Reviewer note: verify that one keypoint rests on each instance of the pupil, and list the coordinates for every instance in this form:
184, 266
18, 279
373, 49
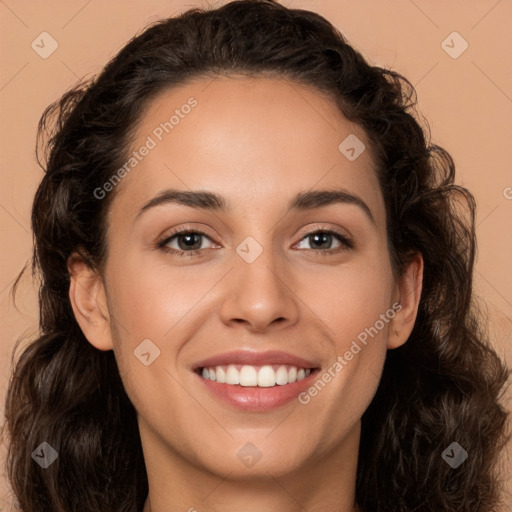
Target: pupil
190, 239
316, 236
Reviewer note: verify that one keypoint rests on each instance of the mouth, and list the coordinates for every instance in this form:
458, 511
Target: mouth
250, 381
261, 376
255, 389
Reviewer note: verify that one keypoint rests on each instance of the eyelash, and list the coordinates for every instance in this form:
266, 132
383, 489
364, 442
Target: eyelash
346, 243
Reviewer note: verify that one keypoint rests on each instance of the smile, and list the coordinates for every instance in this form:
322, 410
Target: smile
260, 376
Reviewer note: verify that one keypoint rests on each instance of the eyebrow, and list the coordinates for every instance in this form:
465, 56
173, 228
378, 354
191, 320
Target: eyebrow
210, 201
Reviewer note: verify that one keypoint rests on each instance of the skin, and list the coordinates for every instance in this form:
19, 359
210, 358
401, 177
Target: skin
258, 142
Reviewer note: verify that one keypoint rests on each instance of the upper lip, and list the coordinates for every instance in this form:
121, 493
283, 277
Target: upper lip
255, 359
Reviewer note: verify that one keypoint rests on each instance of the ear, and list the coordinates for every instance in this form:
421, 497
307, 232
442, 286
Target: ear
89, 302
407, 301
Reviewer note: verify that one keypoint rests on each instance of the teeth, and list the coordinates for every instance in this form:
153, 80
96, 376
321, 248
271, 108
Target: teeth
266, 377
262, 376
232, 375
282, 375
220, 374
248, 376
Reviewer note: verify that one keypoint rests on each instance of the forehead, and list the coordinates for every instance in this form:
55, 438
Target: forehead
257, 141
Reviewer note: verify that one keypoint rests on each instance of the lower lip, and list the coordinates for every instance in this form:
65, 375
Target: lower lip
254, 398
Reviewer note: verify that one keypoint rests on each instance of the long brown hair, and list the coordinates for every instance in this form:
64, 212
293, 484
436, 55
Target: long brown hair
442, 386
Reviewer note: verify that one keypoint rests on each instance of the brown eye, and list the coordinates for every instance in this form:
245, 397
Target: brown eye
322, 240
188, 243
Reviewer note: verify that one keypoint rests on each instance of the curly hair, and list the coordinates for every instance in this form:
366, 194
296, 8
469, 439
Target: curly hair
443, 385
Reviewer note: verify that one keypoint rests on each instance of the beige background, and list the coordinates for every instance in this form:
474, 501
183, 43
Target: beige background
466, 100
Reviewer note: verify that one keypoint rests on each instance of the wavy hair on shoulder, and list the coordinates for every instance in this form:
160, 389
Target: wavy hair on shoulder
443, 385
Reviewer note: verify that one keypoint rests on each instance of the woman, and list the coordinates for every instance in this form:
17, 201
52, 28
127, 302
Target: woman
198, 350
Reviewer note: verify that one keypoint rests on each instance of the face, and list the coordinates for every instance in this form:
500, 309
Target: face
282, 262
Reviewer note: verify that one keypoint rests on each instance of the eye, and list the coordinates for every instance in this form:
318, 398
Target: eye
321, 240
189, 243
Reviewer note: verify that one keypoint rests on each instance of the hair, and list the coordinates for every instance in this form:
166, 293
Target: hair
443, 385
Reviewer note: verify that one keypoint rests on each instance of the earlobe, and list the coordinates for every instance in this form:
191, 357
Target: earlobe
409, 290
88, 300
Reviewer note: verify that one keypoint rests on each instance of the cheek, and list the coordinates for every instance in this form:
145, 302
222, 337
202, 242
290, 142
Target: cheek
155, 310
148, 300
359, 317
145, 309
356, 306
350, 300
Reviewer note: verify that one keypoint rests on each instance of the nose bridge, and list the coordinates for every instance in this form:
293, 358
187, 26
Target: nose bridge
260, 293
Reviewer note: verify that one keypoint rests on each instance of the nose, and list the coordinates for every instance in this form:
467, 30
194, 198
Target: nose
259, 295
